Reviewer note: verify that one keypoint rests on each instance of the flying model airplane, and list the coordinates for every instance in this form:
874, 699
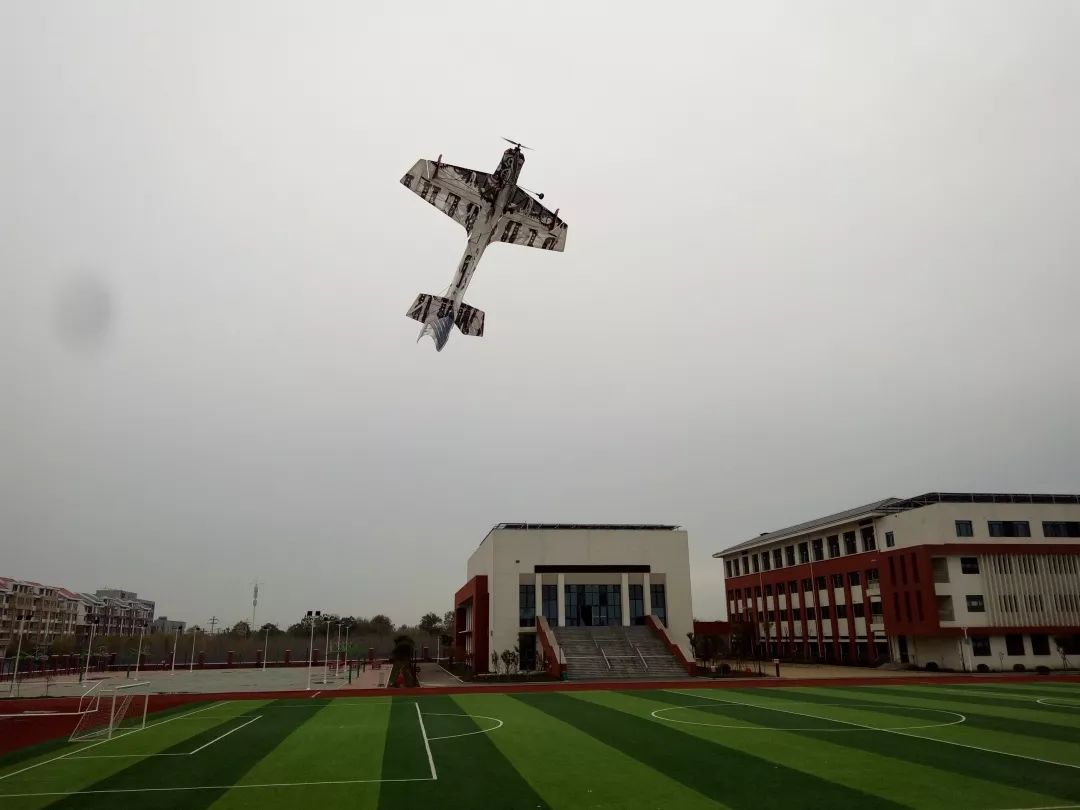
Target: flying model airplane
489, 207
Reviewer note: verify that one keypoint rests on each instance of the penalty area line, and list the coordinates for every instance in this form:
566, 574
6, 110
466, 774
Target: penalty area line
212, 787
888, 731
427, 744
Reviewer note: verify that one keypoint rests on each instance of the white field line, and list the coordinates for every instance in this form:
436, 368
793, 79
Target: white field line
448, 672
427, 745
102, 742
657, 712
1043, 701
892, 731
316, 694
467, 733
226, 734
211, 787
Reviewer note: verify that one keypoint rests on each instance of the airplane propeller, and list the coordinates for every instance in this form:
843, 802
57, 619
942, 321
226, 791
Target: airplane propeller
518, 145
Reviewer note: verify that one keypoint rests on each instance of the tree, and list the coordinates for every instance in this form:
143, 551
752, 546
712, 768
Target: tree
403, 648
430, 623
272, 628
194, 629
448, 622
241, 629
381, 625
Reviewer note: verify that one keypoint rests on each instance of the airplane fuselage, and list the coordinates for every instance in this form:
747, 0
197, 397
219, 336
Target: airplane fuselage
496, 202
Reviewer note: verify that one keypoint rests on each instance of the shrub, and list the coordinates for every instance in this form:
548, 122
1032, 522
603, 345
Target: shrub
1019, 668
725, 669
931, 666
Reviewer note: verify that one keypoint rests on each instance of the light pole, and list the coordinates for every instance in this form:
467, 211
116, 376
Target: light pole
191, 662
176, 641
337, 649
348, 627
326, 654
138, 655
93, 622
312, 615
266, 644
18, 652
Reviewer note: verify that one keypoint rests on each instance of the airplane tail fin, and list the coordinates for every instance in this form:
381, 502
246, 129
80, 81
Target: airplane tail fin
438, 317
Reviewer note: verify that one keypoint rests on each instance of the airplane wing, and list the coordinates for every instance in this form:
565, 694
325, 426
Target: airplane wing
529, 223
457, 192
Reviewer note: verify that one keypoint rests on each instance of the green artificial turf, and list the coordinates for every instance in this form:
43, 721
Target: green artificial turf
990, 746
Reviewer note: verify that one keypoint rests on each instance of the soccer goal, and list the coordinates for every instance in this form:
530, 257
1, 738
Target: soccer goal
104, 713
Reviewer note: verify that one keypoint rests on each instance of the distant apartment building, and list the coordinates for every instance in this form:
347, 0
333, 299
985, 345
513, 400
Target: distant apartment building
953, 580
43, 613
163, 624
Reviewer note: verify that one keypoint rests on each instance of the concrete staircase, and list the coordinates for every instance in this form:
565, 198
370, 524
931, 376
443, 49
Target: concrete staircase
597, 653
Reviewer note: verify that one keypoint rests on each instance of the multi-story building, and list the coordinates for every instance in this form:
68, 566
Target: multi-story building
41, 612
46, 612
574, 576
952, 580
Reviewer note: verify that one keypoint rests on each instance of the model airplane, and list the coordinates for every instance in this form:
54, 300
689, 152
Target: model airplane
490, 207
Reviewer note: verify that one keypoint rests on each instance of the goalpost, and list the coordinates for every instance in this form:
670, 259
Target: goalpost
107, 712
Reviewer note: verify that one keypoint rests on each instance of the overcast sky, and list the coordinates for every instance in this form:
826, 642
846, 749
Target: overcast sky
818, 254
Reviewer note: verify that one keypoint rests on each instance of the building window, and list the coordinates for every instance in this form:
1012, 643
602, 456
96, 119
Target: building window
1061, 528
757, 590
820, 581
868, 542
789, 555
768, 590
756, 569
808, 584
804, 552
980, 645
849, 543
637, 604
964, 528
838, 580
659, 602
550, 595
875, 608
853, 578
1014, 644
1035, 602
779, 587
975, 603
796, 614
765, 564
890, 541
841, 611
778, 558
526, 605
727, 568
824, 611
834, 545
1009, 528
809, 613
969, 565
858, 610
745, 566
1040, 644
819, 553
793, 586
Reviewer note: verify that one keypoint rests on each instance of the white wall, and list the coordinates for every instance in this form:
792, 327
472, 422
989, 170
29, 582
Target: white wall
505, 555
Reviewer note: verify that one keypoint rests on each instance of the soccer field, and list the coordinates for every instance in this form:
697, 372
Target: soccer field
990, 745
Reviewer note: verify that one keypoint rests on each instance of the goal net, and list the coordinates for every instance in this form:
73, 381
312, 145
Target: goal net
106, 712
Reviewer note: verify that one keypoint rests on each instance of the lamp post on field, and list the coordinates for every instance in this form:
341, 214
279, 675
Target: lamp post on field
176, 641
93, 622
266, 643
312, 615
138, 655
326, 654
191, 663
18, 652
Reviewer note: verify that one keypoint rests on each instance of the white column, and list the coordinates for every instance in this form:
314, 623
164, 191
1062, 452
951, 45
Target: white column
646, 593
561, 596
624, 595
539, 594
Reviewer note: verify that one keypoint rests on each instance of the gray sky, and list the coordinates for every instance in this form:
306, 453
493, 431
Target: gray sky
819, 254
